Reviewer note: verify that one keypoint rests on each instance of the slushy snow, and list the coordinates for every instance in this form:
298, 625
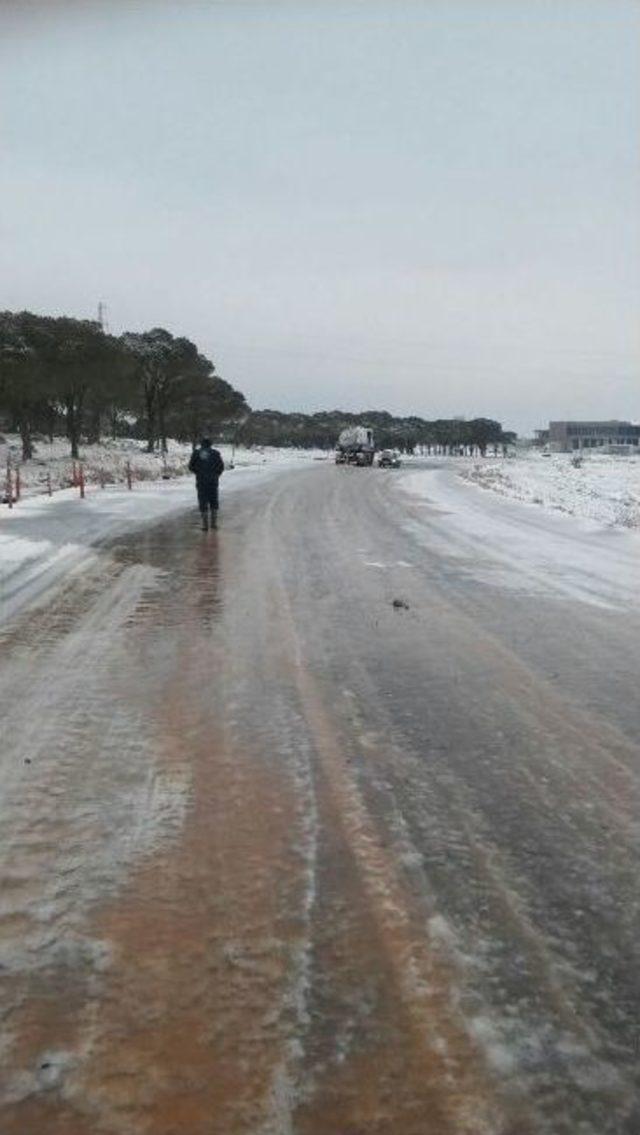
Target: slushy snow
44, 538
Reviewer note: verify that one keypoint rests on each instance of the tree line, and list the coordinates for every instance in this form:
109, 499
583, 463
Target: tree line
65, 376
320, 431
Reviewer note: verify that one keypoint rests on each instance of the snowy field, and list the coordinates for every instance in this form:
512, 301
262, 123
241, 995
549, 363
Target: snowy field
107, 462
602, 488
44, 538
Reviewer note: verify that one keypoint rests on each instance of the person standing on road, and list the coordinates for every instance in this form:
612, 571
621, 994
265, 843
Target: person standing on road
208, 466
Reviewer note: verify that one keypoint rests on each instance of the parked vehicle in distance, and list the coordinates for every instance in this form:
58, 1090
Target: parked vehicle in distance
355, 446
389, 459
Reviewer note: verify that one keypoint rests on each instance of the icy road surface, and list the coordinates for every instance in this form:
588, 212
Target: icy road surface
283, 858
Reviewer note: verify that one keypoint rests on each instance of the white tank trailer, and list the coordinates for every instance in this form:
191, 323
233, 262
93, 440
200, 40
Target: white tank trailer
355, 446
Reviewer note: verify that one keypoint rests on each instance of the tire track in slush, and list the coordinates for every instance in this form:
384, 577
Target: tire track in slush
433, 1080
203, 942
193, 1025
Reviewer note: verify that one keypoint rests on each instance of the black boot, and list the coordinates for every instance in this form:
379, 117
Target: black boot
214, 518
205, 522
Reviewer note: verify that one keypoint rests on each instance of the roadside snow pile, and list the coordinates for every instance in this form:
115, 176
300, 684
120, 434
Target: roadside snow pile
106, 463
602, 488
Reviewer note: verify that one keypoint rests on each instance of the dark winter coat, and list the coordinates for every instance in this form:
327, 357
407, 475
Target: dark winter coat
207, 464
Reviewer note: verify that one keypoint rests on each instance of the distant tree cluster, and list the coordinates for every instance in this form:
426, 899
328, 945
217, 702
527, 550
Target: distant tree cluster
320, 431
64, 376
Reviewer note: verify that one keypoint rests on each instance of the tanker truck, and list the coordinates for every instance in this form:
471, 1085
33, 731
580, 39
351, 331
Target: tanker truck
355, 446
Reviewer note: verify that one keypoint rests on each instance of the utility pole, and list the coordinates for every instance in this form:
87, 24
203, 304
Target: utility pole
102, 316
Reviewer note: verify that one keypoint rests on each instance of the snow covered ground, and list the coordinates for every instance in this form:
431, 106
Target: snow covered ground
44, 538
602, 488
107, 462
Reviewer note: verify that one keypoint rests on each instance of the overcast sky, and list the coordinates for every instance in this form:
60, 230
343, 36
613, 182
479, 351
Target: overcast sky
428, 206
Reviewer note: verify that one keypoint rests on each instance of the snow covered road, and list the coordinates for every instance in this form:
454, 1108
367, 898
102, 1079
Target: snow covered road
326, 823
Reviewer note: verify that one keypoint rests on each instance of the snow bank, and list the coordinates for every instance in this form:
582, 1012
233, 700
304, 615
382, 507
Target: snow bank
602, 488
